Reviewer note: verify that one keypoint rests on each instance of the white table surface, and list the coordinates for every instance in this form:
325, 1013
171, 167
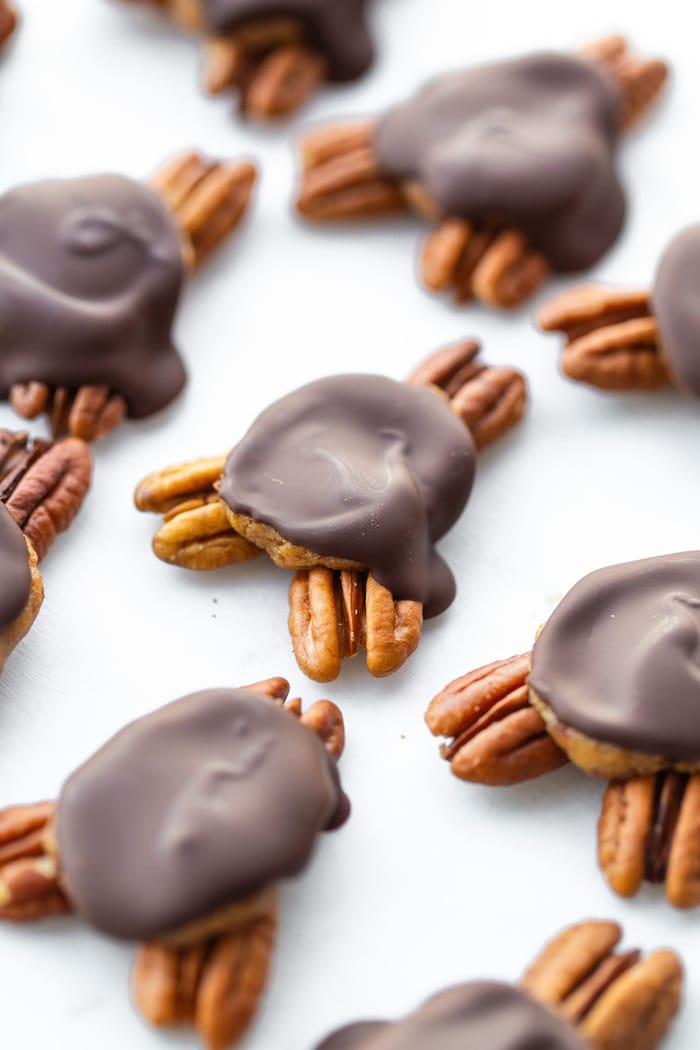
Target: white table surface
432, 881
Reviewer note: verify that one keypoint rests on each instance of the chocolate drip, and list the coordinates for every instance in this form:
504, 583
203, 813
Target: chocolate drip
481, 1015
90, 274
15, 576
619, 659
676, 304
528, 143
337, 28
191, 809
362, 468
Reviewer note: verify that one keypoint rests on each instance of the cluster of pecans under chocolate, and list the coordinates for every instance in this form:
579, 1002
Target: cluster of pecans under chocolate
177, 833
610, 685
314, 475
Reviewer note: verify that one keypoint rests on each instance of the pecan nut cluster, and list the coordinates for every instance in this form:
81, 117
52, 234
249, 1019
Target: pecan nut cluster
336, 607
141, 251
343, 178
649, 827
210, 972
275, 60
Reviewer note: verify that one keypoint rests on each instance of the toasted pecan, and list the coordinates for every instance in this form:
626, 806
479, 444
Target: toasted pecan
489, 400
333, 613
208, 198
215, 984
612, 339
43, 484
649, 830
497, 737
29, 883
618, 1001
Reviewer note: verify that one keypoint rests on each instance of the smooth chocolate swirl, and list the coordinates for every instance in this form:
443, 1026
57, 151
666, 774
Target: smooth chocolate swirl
676, 304
336, 28
90, 274
193, 808
528, 143
362, 468
15, 575
619, 658
481, 1015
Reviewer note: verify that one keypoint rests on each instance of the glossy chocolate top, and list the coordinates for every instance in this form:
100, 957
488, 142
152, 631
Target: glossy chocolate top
528, 143
676, 304
336, 28
481, 1015
362, 468
15, 575
619, 658
90, 274
191, 809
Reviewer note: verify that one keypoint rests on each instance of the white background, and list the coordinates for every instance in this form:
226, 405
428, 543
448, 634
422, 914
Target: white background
432, 881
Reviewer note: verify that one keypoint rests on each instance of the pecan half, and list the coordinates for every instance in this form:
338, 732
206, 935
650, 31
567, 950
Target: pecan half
490, 401
43, 484
324, 717
216, 984
268, 61
640, 81
341, 178
497, 267
649, 829
497, 737
207, 197
612, 339
196, 532
617, 1001
29, 885
8, 21
332, 614
90, 412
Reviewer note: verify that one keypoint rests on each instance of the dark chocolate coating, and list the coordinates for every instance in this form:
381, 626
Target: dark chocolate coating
481, 1015
362, 468
528, 143
191, 809
676, 304
619, 658
90, 275
15, 575
336, 28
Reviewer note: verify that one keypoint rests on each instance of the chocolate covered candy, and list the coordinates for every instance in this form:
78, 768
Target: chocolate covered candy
178, 831
91, 272
618, 661
350, 481
362, 469
579, 992
475, 1016
612, 683
529, 143
276, 54
197, 806
515, 161
336, 28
